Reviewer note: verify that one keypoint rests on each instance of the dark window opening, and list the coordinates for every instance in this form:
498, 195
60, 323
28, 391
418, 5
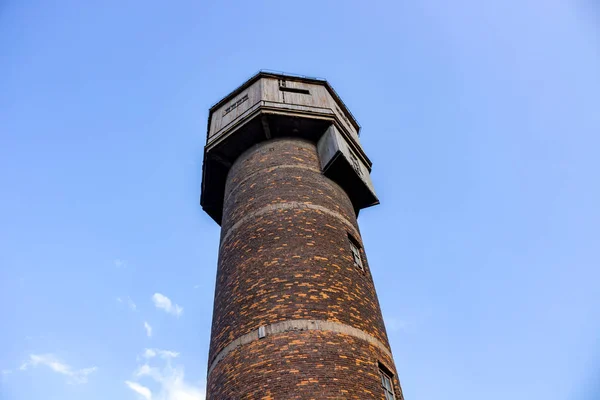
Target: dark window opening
356, 255
387, 382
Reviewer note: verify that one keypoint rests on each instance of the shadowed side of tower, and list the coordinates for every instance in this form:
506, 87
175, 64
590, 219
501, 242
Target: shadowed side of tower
296, 314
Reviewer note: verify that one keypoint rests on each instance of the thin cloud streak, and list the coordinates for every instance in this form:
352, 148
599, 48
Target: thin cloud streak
166, 354
148, 329
143, 391
132, 306
74, 376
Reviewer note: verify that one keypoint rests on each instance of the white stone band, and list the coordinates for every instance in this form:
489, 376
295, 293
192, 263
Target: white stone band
289, 205
298, 325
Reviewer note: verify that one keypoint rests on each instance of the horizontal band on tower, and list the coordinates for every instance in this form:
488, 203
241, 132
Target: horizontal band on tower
289, 205
298, 325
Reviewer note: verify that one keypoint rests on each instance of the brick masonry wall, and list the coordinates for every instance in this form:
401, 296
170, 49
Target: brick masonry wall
285, 255
301, 365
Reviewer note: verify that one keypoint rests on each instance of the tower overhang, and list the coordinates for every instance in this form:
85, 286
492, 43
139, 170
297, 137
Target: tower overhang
272, 105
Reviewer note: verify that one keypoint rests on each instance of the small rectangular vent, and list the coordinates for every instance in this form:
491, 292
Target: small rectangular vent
294, 90
235, 105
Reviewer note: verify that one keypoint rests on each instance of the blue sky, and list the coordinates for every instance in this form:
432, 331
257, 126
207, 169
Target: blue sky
482, 120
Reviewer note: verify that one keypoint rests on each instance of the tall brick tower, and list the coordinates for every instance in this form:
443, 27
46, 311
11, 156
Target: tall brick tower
296, 315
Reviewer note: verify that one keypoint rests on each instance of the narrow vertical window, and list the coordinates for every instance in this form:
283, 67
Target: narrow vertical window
355, 250
388, 386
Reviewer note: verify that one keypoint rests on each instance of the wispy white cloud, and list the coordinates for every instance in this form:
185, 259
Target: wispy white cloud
132, 306
148, 329
149, 353
169, 381
163, 302
143, 391
50, 361
6, 371
120, 263
145, 370
166, 354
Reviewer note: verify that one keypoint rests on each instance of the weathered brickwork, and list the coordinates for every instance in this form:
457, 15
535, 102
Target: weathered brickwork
285, 255
301, 365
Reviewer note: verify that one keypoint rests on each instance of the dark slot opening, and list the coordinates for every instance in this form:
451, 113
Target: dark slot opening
354, 240
293, 90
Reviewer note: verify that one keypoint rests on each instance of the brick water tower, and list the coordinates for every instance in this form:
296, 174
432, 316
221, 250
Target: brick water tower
296, 314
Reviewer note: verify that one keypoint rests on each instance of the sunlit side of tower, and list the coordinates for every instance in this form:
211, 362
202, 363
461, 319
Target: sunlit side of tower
296, 314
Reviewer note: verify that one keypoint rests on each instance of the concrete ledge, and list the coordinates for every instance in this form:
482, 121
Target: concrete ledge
298, 325
290, 205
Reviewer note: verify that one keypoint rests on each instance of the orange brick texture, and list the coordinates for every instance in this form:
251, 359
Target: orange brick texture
285, 255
